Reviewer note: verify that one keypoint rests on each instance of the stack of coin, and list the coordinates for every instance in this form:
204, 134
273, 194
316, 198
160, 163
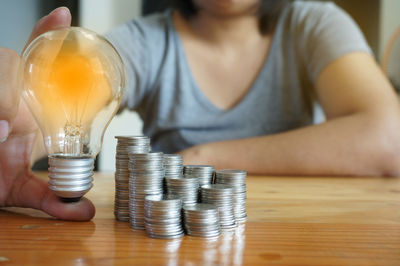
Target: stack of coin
186, 188
222, 197
203, 172
162, 215
125, 145
145, 178
201, 220
173, 165
236, 179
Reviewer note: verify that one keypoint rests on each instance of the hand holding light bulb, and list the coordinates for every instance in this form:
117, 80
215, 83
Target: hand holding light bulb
19, 133
73, 84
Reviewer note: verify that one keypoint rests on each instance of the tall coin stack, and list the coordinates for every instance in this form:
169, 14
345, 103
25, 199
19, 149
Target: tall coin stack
145, 178
203, 172
186, 188
125, 145
173, 165
162, 215
201, 220
236, 179
222, 197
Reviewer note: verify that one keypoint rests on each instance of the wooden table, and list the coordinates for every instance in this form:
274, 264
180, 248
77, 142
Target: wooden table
291, 221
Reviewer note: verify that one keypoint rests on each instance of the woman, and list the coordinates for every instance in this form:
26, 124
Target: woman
223, 87
233, 87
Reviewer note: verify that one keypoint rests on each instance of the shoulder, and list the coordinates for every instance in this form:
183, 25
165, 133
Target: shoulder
305, 11
142, 39
151, 28
322, 32
306, 21
310, 18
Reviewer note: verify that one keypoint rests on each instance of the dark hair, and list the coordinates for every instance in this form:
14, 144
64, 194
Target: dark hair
268, 12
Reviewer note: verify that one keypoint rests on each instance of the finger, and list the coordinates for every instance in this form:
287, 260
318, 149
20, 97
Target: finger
82, 210
34, 193
60, 17
10, 83
11, 70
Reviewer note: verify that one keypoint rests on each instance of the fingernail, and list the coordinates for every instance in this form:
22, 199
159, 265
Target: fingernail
4, 130
59, 9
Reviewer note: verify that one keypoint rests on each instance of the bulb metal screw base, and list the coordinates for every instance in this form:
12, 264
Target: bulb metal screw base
70, 177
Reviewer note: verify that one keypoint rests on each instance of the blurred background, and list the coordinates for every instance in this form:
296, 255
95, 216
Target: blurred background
378, 19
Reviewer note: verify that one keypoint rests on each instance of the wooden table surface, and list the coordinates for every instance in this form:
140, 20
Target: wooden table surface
291, 221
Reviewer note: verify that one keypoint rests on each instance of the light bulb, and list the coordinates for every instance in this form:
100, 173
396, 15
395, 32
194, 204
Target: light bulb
73, 84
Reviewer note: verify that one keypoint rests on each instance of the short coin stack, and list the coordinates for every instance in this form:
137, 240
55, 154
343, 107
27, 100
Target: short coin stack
173, 165
203, 172
145, 178
236, 179
201, 220
162, 215
125, 145
186, 188
222, 197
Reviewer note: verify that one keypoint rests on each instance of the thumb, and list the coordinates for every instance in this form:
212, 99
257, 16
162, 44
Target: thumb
33, 192
60, 17
11, 69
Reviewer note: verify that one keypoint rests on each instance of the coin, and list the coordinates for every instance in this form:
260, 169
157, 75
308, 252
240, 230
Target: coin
203, 172
236, 179
145, 178
173, 165
125, 145
156, 193
222, 197
186, 188
163, 216
201, 220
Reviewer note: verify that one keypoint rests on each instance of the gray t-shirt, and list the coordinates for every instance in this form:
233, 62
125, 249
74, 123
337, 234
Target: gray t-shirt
177, 115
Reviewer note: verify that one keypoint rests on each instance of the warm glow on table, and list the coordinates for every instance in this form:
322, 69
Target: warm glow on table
297, 221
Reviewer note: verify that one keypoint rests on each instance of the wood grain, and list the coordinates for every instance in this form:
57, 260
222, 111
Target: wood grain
291, 221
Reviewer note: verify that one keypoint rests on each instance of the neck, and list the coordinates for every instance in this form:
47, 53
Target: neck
225, 30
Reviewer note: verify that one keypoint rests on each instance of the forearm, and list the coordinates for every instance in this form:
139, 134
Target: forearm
358, 144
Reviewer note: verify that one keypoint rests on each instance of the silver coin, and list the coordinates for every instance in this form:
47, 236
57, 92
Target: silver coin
166, 237
221, 196
236, 179
201, 220
125, 146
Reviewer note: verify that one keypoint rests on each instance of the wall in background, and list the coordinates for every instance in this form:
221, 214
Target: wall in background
103, 15
390, 20
17, 18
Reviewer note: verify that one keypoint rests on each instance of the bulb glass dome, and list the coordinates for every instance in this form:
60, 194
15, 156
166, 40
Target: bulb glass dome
73, 84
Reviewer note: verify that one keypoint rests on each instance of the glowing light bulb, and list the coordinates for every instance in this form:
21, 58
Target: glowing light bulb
73, 84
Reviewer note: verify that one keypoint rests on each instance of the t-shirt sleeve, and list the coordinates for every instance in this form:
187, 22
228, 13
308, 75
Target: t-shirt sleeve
324, 33
129, 40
